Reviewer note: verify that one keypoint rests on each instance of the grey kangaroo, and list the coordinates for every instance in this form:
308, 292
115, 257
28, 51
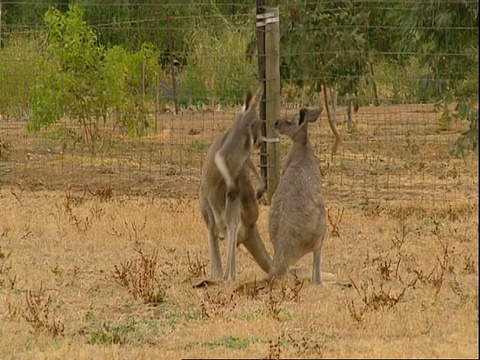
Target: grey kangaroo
228, 200
298, 216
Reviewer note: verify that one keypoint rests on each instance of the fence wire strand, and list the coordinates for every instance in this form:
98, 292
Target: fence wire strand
87, 97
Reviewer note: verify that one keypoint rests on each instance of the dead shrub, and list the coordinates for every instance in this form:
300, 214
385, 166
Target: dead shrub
273, 304
216, 304
335, 221
39, 314
376, 297
7, 279
300, 347
469, 266
139, 277
103, 195
196, 267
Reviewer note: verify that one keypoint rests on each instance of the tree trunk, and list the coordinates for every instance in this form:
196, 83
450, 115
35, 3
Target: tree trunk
1, 24
330, 119
349, 111
376, 102
333, 101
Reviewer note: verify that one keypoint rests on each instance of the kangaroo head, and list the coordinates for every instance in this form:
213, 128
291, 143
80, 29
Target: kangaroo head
295, 127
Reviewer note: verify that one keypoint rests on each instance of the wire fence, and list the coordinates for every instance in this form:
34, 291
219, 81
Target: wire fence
129, 94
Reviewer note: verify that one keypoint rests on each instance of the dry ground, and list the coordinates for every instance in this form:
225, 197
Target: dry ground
98, 255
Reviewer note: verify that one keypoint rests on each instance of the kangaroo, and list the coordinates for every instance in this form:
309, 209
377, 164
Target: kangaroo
228, 200
298, 215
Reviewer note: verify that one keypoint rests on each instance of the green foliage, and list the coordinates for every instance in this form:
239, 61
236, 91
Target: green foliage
100, 57
81, 81
232, 342
67, 82
132, 80
324, 41
467, 108
217, 68
18, 60
28, 13
445, 35
199, 146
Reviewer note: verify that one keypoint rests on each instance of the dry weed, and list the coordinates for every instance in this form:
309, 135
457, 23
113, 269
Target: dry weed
70, 202
443, 266
6, 278
103, 195
139, 277
17, 194
274, 349
39, 314
388, 268
299, 346
403, 229
276, 297
170, 265
5, 147
335, 222
219, 303
374, 297
196, 267
469, 266
273, 304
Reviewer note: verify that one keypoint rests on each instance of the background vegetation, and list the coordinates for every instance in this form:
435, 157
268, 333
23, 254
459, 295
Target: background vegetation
87, 59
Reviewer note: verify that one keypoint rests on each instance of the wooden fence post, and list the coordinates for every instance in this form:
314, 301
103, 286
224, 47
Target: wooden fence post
272, 90
261, 77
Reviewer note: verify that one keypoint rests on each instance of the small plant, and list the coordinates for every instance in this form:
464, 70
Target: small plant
253, 291
375, 298
292, 292
388, 268
274, 349
469, 266
83, 223
199, 146
17, 194
301, 347
70, 201
170, 266
39, 314
335, 222
134, 231
3, 254
231, 342
273, 303
457, 290
403, 230
5, 269
305, 346
4, 148
372, 210
196, 267
139, 277
443, 266
437, 276
103, 195
357, 313
217, 304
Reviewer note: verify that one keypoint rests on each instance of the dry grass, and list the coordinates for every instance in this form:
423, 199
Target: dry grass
104, 268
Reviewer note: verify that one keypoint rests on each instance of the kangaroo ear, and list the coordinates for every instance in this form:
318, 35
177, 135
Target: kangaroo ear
248, 99
309, 115
251, 100
302, 116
